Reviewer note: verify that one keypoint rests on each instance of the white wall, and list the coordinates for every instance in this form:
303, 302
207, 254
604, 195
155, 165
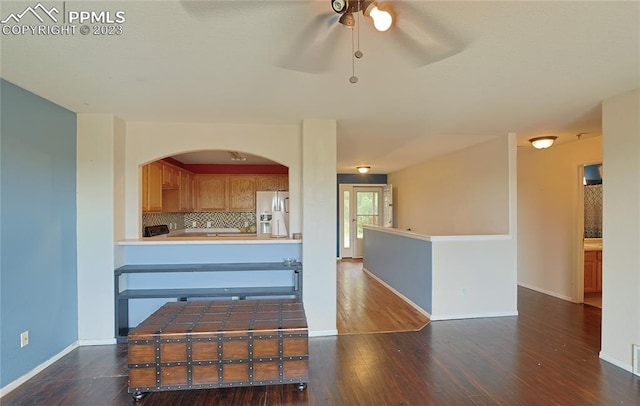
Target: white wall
474, 276
549, 227
319, 226
149, 141
621, 228
95, 227
465, 192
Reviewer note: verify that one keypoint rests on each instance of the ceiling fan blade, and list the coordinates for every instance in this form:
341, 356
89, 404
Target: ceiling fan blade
424, 39
314, 47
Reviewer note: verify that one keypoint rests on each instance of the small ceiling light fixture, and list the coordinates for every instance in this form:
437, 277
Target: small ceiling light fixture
543, 142
236, 156
363, 169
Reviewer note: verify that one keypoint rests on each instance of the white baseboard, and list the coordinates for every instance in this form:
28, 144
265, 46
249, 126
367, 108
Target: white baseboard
400, 295
323, 333
102, 341
547, 292
616, 362
35, 371
473, 315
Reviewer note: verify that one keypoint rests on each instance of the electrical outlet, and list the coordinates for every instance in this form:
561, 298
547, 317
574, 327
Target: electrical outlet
194, 224
208, 224
24, 338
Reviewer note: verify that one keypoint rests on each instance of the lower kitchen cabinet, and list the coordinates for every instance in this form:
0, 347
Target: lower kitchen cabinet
592, 271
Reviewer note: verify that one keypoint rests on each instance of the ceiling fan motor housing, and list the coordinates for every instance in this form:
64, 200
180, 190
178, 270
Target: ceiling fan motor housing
340, 6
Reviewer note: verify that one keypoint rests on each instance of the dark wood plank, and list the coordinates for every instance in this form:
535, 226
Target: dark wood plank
366, 306
547, 355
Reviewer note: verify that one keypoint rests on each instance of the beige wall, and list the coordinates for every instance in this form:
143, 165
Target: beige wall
95, 227
462, 193
319, 225
621, 228
110, 152
549, 225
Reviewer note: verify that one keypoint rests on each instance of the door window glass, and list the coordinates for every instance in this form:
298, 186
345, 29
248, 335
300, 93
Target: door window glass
367, 211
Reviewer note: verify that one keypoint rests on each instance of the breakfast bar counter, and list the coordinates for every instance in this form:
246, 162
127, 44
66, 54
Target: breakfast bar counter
207, 240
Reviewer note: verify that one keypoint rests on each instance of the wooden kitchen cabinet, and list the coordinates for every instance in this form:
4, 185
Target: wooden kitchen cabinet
272, 182
212, 192
152, 187
170, 176
242, 193
592, 271
186, 191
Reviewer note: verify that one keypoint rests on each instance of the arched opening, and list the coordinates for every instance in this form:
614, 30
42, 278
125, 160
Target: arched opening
204, 192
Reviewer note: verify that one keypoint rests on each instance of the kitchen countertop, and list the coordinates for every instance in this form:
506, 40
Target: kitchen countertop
195, 236
593, 244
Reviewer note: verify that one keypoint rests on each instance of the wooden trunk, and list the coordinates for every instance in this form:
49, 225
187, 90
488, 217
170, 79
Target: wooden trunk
213, 344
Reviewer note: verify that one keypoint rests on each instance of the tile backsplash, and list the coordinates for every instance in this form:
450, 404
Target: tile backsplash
185, 220
219, 219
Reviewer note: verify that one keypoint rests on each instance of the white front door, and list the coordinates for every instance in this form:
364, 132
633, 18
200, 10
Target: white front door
367, 203
359, 205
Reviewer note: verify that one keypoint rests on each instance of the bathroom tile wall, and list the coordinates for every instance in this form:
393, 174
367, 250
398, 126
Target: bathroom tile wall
593, 211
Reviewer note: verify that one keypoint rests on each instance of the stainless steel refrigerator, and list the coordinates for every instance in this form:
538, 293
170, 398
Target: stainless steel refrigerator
272, 214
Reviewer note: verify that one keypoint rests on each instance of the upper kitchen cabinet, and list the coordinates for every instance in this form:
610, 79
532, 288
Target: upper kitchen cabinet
242, 193
170, 176
187, 192
152, 187
212, 192
272, 182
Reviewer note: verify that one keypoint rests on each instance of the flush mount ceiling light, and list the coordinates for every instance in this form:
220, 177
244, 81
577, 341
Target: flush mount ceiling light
363, 169
236, 156
543, 142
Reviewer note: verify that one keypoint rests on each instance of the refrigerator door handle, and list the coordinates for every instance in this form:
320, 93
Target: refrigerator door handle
286, 205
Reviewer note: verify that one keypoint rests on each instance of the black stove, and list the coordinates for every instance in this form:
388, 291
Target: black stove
152, 231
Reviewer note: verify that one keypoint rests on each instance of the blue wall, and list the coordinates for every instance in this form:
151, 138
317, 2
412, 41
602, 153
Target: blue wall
404, 263
354, 178
38, 230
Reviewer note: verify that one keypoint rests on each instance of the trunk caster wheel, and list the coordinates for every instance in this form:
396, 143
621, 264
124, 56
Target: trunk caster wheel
301, 386
137, 396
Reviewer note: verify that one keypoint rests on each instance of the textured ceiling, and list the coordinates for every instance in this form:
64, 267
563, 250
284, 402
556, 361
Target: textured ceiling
447, 75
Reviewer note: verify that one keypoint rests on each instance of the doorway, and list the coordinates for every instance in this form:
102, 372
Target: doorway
591, 232
359, 206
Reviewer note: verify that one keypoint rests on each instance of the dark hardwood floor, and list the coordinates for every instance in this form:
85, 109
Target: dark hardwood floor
365, 305
546, 356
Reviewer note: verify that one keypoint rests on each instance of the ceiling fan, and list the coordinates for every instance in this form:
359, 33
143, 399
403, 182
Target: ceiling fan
420, 39
382, 19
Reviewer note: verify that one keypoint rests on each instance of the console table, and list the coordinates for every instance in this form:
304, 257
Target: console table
183, 294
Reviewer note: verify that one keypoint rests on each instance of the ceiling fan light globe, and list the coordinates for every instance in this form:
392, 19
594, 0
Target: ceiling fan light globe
382, 20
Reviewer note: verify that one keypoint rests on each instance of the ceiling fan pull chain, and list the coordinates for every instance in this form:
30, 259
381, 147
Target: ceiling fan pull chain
353, 78
358, 54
